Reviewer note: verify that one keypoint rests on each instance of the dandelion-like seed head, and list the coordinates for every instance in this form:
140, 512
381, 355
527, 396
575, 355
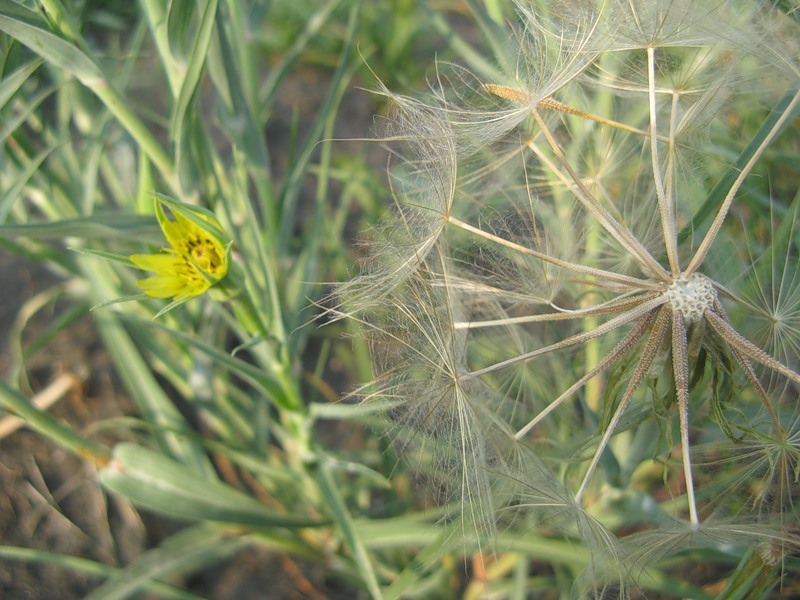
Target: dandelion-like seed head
577, 280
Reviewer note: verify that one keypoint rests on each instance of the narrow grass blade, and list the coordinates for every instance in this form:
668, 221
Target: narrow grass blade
15, 373
404, 531
43, 400
12, 83
720, 190
418, 566
197, 59
26, 26
179, 29
489, 17
290, 191
460, 47
313, 25
180, 130
155, 482
334, 501
121, 300
53, 429
99, 226
13, 122
10, 195
238, 121
110, 256
91, 568
184, 552
43, 301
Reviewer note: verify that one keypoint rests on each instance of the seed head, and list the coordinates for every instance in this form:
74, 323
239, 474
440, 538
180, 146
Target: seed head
692, 296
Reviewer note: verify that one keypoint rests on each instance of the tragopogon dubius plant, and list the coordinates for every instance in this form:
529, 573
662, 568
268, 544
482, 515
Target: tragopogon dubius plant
554, 285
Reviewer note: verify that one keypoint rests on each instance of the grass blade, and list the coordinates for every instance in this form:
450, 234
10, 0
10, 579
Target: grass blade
76, 564
185, 551
718, 192
98, 226
26, 26
10, 195
180, 132
334, 501
155, 482
54, 429
12, 83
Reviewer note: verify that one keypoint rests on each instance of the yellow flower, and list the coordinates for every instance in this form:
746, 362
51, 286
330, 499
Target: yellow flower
196, 260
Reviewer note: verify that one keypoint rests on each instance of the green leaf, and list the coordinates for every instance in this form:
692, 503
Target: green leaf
163, 485
98, 226
197, 59
333, 499
30, 30
12, 83
185, 551
475, 59
491, 22
174, 434
15, 121
419, 565
26, 27
720, 190
10, 196
179, 27
238, 121
120, 300
313, 24
54, 429
290, 190
752, 579
259, 377
180, 129
88, 567
110, 256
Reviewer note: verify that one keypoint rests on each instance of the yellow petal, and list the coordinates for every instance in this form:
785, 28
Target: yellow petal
175, 276
157, 262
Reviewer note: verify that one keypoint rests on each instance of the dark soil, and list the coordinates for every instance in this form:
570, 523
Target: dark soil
50, 500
